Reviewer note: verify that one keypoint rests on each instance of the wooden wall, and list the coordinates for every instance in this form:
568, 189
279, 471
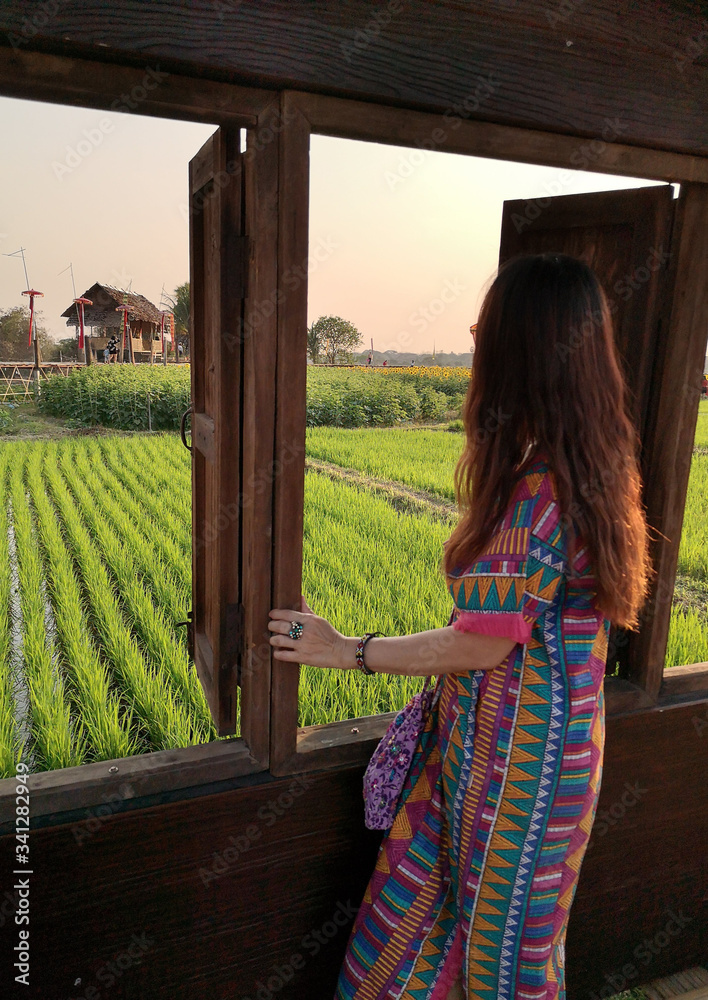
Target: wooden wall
154, 891
569, 66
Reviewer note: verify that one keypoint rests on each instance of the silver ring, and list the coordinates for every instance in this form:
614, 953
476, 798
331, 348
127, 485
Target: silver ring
295, 630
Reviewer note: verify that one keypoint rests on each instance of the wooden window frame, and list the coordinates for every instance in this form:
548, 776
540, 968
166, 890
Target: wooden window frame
649, 685
272, 740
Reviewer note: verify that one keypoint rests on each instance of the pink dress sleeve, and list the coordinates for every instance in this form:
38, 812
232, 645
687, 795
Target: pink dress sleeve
514, 581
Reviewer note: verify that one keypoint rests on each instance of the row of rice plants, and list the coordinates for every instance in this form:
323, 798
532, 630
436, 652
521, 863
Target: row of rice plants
106, 722
164, 491
57, 739
164, 720
139, 573
10, 749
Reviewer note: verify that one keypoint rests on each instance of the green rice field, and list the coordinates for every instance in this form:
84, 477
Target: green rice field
95, 574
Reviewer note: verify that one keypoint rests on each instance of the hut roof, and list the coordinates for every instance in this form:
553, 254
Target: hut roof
105, 298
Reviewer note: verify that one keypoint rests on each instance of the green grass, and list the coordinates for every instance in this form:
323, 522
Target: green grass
424, 459
701, 438
366, 568
10, 749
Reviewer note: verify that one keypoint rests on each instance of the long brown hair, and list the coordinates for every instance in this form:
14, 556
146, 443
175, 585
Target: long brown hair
546, 378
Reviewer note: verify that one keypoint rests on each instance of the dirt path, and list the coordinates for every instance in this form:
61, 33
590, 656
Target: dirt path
403, 498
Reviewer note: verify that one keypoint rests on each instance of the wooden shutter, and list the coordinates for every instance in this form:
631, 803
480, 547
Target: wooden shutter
626, 237
218, 261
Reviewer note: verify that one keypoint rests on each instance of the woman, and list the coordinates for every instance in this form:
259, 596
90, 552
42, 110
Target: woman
473, 884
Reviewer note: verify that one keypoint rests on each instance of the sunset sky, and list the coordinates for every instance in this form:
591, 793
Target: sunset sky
395, 227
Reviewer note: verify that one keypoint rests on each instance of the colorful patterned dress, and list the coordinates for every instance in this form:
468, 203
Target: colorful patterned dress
480, 868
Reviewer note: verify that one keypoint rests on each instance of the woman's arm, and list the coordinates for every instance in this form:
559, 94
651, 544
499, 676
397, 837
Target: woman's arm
438, 651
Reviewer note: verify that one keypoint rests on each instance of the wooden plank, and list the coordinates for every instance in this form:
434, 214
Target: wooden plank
216, 254
203, 435
565, 68
669, 435
291, 389
692, 679
258, 336
91, 786
296, 852
445, 133
229, 181
646, 856
86, 82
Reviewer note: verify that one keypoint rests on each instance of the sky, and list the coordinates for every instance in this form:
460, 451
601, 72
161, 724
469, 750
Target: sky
404, 242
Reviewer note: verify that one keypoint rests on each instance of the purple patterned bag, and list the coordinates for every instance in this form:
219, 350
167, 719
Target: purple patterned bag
388, 768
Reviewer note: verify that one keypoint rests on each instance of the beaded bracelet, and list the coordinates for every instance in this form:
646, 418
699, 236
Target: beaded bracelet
360, 652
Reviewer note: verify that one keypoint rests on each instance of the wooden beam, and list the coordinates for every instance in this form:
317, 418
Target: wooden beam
258, 334
559, 67
684, 681
668, 442
91, 786
443, 133
291, 389
86, 82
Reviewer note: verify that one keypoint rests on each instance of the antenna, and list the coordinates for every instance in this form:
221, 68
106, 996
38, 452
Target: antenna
21, 252
69, 268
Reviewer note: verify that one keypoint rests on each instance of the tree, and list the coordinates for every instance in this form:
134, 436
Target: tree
181, 313
66, 349
14, 335
314, 344
337, 337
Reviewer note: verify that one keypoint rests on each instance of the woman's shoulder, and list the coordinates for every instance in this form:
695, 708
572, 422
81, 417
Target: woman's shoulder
536, 485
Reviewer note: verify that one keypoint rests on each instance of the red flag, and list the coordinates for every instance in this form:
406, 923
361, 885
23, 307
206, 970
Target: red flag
80, 303
32, 294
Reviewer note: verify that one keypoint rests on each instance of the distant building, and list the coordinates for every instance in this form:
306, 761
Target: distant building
102, 321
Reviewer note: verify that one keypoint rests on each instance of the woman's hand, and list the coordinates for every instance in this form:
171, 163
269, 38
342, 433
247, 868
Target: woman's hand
320, 644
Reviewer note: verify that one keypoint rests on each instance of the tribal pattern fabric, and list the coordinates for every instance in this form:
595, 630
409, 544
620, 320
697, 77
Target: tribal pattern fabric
479, 870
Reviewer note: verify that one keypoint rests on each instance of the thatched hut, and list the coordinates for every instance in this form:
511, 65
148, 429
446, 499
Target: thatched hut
104, 320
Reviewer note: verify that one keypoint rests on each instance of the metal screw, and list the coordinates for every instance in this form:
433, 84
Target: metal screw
355, 729
113, 770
